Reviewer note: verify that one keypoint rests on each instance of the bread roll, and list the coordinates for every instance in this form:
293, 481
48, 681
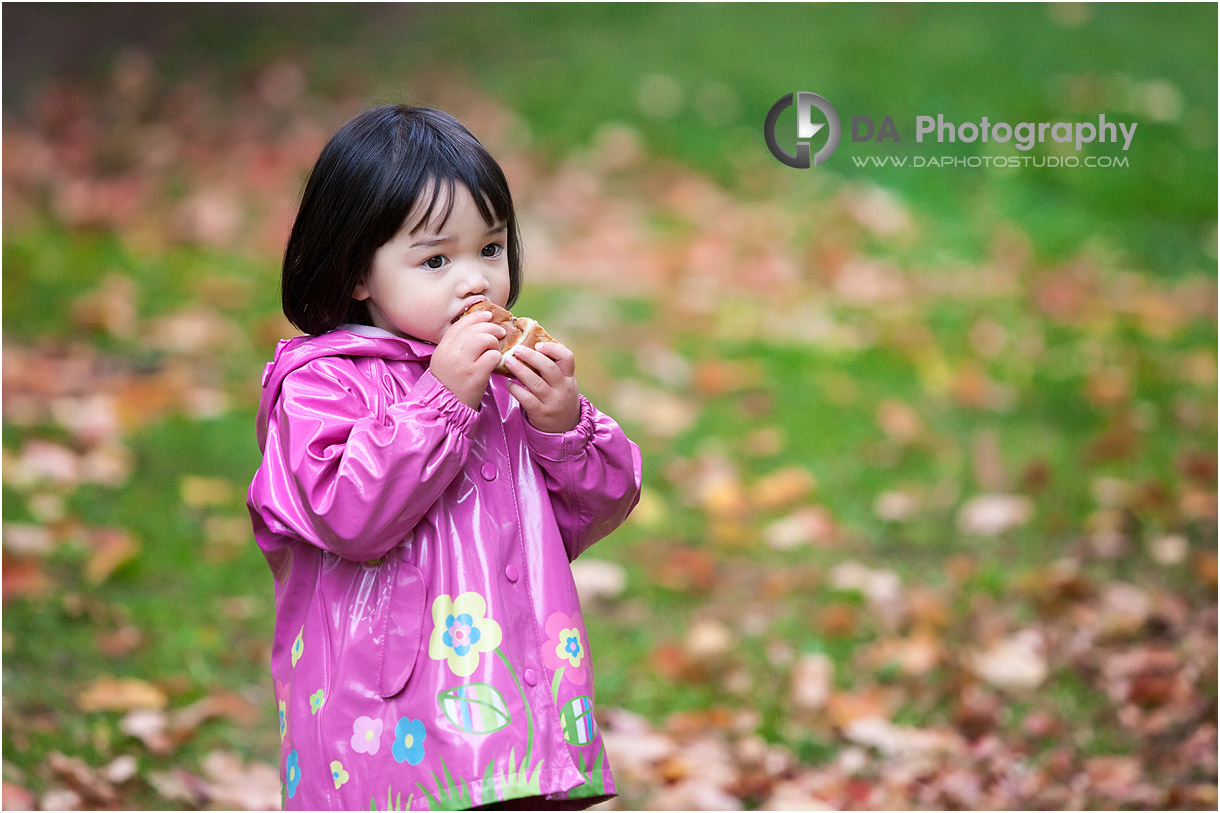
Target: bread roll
519, 331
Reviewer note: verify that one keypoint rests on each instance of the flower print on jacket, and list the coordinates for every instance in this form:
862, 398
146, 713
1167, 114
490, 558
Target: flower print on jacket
283, 719
298, 646
409, 741
366, 735
292, 774
460, 632
565, 646
338, 774
316, 700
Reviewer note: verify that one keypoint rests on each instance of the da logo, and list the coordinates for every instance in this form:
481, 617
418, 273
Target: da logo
806, 129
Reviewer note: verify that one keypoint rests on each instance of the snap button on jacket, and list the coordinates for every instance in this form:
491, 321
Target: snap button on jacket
429, 648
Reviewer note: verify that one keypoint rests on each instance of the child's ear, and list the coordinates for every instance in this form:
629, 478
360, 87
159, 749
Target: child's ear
361, 293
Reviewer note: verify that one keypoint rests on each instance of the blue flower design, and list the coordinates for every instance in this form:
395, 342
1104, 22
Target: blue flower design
572, 647
461, 633
292, 774
409, 741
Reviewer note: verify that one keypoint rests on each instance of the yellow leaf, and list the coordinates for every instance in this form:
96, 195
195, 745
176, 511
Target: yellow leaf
199, 492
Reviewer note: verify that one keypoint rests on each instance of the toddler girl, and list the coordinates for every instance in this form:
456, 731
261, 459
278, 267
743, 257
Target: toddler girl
418, 512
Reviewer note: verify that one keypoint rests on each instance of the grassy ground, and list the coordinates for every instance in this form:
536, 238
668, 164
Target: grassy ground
1070, 361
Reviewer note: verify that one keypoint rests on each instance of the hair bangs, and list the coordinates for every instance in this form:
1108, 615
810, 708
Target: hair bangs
434, 198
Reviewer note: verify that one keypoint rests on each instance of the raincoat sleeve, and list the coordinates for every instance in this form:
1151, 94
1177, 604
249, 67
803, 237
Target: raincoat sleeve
342, 478
593, 474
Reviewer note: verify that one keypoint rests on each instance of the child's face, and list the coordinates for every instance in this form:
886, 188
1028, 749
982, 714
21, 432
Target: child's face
420, 283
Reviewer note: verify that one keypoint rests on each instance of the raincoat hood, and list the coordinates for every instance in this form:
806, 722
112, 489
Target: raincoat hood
345, 340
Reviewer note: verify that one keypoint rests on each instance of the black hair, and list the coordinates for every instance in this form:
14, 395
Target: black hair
369, 176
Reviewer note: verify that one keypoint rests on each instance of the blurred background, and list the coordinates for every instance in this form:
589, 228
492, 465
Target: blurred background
929, 517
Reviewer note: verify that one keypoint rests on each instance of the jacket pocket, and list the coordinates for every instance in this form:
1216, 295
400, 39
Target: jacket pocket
403, 620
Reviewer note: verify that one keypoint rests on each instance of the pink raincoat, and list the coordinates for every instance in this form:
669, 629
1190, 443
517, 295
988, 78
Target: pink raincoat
429, 647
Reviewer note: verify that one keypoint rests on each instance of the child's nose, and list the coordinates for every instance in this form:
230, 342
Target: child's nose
472, 280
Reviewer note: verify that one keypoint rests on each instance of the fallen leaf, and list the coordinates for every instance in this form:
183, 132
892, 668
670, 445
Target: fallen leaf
895, 506
1016, 663
120, 770
82, 779
810, 682
882, 588
709, 640
764, 442
42, 462
1204, 566
61, 799
17, 798
993, 514
183, 722
916, 655
782, 488
204, 492
235, 785
848, 708
109, 549
658, 412
24, 578
807, 525
893, 740
111, 307
1124, 609
899, 421
121, 642
650, 512
177, 786
686, 568
598, 580
1112, 775
26, 540
714, 377
977, 712
120, 694
838, 619
1169, 550
1107, 387
150, 726
225, 537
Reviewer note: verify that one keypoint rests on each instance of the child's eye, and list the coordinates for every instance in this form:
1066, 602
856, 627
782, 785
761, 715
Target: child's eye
492, 250
435, 262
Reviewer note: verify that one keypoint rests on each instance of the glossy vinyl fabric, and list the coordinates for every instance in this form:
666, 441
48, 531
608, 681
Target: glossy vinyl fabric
429, 649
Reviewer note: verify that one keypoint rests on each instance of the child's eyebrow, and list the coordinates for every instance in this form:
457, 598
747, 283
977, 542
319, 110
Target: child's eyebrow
442, 239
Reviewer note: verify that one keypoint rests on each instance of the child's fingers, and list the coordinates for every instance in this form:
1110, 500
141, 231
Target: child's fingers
526, 398
545, 366
560, 354
472, 318
488, 360
527, 375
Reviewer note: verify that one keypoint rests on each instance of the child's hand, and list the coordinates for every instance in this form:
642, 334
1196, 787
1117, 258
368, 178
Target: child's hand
466, 355
547, 391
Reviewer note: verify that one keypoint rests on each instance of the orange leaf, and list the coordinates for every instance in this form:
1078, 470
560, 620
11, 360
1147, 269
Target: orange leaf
782, 488
845, 708
111, 548
120, 694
